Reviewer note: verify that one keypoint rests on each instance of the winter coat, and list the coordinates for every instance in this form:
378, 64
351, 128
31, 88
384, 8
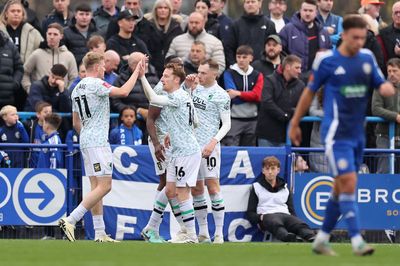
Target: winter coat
30, 40
252, 30
42, 60
279, 100
55, 17
41, 91
126, 46
11, 71
387, 108
102, 19
295, 39
14, 134
265, 66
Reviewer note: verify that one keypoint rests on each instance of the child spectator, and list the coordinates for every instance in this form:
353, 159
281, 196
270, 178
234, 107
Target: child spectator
244, 85
5, 161
13, 132
51, 158
127, 133
35, 129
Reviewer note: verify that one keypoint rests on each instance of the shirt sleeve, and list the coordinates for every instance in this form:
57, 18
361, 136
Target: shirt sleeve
319, 75
173, 100
103, 88
377, 78
224, 103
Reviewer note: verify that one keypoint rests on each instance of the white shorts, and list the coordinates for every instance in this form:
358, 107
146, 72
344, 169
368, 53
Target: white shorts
184, 170
210, 167
97, 161
159, 166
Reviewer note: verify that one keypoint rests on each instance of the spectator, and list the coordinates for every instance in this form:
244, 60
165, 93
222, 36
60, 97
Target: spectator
212, 24
271, 205
252, 28
50, 52
142, 24
277, 9
79, 31
163, 29
81, 75
51, 89
331, 22
300, 165
225, 22
13, 131
196, 56
126, 42
31, 17
372, 9
389, 109
176, 10
112, 60
97, 44
280, 95
272, 56
61, 14
182, 44
23, 35
136, 97
389, 37
127, 133
244, 86
11, 71
5, 161
304, 36
35, 130
103, 14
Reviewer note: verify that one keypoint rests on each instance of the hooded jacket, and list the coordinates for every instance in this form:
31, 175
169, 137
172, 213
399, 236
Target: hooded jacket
250, 84
11, 71
30, 40
295, 39
42, 60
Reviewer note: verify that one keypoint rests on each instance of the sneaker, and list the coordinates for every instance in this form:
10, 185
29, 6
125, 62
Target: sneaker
106, 238
186, 239
204, 239
218, 239
67, 228
323, 248
180, 235
48, 238
363, 250
151, 236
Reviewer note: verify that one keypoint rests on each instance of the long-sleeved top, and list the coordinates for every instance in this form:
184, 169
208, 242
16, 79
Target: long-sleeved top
51, 158
388, 108
126, 136
14, 134
335, 22
265, 199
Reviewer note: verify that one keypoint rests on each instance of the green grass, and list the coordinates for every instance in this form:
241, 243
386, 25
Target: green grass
132, 253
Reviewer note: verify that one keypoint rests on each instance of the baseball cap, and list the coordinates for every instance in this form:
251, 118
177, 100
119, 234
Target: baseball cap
127, 14
371, 2
275, 38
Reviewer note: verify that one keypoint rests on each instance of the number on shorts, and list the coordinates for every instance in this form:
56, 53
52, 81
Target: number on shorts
86, 105
211, 161
179, 171
191, 113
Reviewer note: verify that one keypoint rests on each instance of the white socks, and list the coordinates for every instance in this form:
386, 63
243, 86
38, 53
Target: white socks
77, 214
99, 226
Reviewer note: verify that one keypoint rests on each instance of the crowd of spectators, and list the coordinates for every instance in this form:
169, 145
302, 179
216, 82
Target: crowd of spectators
264, 59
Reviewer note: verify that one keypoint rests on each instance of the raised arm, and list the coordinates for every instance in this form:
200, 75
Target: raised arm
151, 95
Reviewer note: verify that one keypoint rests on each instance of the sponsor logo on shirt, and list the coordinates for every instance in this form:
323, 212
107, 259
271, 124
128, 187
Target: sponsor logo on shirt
199, 103
107, 85
354, 91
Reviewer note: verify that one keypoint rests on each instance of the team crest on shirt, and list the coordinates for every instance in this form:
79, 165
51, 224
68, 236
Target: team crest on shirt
367, 68
107, 85
4, 137
96, 167
342, 164
17, 135
210, 97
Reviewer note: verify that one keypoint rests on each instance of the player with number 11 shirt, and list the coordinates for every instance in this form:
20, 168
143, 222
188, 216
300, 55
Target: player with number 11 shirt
91, 118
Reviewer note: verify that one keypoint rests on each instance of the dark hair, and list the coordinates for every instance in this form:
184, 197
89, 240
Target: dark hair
177, 70
394, 62
127, 107
271, 161
244, 50
59, 70
94, 41
207, 2
310, 2
85, 7
53, 120
354, 22
290, 59
174, 59
39, 106
211, 63
57, 27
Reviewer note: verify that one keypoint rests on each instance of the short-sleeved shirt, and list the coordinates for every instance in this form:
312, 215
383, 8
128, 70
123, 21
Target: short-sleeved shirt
180, 124
346, 82
161, 123
210, 104
90, 99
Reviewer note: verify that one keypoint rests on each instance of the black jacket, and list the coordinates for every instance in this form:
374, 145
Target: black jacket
126, 46
251, 30
251, 213
212, 26
159, 42
41, 91
11, 71
136, 97
76, 42
279, 99
55, 17
141, 29
190, 68
264, 66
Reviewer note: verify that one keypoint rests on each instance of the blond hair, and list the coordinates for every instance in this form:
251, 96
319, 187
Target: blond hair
7, 109
91, 59
3, 18
153, 16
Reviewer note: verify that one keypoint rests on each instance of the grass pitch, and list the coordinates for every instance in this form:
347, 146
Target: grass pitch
89, 253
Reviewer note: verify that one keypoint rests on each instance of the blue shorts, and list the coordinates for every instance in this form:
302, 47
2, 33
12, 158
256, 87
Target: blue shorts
344, 156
